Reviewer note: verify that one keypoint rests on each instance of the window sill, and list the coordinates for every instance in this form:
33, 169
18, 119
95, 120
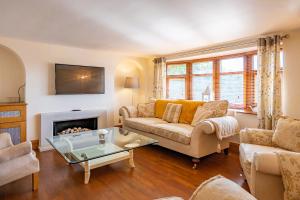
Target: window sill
244, 111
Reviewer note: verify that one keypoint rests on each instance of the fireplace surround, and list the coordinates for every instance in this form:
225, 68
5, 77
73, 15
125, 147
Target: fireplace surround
49, 119
74, 126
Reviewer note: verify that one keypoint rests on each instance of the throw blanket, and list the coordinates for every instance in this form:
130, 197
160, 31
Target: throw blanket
225, 126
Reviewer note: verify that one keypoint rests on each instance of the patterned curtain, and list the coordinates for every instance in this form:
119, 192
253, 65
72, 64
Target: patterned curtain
269, 81
159, 84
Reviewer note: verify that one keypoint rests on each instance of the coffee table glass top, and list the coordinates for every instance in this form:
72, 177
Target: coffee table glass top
84, 146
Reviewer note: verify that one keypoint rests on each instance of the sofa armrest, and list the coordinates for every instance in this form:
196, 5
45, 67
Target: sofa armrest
267, 163
226, 123
256, 136
128, 111
5, 140
15, 151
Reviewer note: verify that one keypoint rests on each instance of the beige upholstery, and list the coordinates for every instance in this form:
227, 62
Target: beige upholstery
195, 141
218, 188
16, 161
260, 164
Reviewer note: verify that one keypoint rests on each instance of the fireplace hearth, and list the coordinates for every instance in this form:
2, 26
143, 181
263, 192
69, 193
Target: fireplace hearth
74, 126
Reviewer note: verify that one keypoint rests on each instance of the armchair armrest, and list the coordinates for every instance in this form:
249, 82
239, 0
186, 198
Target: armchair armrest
15, 151
5, 140
128, 111
267, 163
256, 136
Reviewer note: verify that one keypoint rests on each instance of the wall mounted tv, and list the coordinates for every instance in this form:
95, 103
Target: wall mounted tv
76, 79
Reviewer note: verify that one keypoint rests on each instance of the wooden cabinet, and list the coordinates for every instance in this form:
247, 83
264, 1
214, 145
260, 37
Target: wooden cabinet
13, 121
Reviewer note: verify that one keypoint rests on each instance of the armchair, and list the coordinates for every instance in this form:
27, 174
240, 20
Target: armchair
17, 161
260, 164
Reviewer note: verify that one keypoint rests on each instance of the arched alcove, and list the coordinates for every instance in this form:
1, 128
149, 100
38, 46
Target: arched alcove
12, 76
128, 68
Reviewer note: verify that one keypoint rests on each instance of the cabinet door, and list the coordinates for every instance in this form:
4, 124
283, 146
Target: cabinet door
15, 113
17, 131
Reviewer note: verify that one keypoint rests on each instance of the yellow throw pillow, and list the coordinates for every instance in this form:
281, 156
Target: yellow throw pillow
160, 106
189, 108
172, 112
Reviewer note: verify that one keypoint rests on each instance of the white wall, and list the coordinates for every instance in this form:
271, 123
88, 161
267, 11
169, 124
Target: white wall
291, 76
39, 59
12, 75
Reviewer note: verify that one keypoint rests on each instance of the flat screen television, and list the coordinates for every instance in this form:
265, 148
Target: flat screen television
76, 79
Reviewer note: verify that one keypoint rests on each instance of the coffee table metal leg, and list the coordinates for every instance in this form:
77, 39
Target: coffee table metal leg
87, 172
131, 162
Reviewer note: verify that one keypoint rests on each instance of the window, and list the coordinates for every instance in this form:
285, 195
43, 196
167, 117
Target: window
232, 81
176, 81
202, 80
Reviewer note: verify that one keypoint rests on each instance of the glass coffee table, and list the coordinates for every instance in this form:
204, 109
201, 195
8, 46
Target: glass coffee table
92, 149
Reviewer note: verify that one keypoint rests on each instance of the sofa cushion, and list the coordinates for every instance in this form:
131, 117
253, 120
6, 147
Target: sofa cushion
287, 134
247, 152
189, 108
146, 109
143, 124
172, 112
174, 131
201, 114
218, 107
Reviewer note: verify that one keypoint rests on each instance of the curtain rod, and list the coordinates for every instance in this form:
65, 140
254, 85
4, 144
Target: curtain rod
218, 48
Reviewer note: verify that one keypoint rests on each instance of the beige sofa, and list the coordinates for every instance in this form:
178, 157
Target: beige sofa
260, 164
17, 161
195, 141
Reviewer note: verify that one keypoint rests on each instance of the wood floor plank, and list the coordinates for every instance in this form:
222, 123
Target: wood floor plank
159, 173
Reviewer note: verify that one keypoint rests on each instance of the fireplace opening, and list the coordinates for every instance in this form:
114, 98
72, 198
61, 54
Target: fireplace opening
74, 126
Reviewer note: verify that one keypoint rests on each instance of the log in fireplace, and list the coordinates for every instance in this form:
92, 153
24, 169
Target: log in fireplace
74, 126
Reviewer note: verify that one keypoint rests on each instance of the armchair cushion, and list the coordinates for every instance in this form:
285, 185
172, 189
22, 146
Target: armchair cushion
287, 134
290, 170
256, 136
267, 163
5, 140
15, 151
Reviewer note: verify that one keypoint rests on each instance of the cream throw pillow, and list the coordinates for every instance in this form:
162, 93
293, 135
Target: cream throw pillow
146, 109
289, 163
172, 112
218, 107
201, 114
287, 134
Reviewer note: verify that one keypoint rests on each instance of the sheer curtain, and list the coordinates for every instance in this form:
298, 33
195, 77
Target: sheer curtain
159, 84
269, 81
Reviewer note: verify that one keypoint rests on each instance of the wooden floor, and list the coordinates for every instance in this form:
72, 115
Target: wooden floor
159, 173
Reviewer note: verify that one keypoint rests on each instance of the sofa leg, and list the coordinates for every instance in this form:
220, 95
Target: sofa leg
226, 151
196, 162
35, 181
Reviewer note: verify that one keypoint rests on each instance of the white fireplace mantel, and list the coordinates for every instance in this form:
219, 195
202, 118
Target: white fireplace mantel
47, 120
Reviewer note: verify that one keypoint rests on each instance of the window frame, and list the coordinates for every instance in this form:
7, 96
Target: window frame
248, 73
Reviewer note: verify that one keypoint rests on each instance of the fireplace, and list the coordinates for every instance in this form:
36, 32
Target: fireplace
74, 126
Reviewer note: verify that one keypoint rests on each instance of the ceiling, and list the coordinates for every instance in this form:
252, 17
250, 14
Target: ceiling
147, 27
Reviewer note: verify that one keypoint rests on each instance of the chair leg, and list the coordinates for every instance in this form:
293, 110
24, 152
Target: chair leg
226, 151
35, 181
196, 162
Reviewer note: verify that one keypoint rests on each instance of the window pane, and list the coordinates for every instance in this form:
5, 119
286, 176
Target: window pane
179, 69
255, 62
177, 88
232, 65
200, 84
232, 88
203, 68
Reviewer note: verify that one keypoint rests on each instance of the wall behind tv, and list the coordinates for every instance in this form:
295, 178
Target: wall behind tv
39, 59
